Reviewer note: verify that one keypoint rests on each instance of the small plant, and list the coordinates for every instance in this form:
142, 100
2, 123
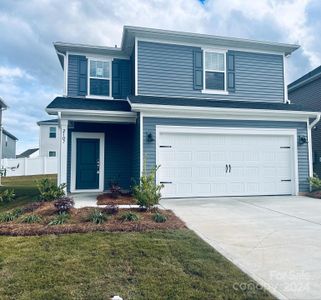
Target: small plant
111, 209
31, 207
129, 216
97, 217
7, 196
11, 215
49, 191
159, 218
31, 219
60, 219
315, 182
115, 189
64, 204
147, 193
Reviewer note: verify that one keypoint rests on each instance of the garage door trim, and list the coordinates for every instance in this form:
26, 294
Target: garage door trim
235, 131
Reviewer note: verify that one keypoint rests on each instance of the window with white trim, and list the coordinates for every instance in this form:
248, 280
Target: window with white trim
215, 69
100, 78
52, 154
52, 132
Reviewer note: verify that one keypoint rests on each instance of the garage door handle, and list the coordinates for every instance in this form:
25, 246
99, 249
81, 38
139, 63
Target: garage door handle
230, 168
165, 182
226, 168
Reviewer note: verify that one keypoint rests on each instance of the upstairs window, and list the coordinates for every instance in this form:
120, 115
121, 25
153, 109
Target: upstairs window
52, 132
99, 78
214, 68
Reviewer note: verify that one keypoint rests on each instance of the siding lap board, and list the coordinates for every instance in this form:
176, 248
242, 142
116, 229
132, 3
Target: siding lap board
167, 70
149, 148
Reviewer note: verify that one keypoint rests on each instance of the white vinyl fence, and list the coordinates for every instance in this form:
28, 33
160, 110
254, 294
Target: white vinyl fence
29, 166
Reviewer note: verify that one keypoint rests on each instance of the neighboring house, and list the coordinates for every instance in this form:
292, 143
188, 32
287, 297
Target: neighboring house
8, 144
211, 111
307, 91
3, 106
29, 153
48, 140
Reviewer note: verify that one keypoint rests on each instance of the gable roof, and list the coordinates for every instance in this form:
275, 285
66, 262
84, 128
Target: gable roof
27, 153
48, 122
3, 104
130, 33
5, 132
305, 79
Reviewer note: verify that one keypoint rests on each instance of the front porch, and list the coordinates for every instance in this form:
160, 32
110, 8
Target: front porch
99, 144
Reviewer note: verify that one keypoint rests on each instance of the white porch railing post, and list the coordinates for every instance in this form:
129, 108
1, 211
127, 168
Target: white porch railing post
25, 170
62, 165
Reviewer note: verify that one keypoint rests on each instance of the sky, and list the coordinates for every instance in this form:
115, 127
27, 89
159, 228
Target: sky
31, 76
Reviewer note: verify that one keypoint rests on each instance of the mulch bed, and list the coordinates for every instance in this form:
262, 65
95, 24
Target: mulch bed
107, 199
78, 223
314, 194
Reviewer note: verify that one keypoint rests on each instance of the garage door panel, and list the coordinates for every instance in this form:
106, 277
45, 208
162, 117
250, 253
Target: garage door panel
225, 165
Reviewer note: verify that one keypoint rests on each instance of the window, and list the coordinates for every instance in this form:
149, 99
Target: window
214, 69
100, 78
52, 132
52, 153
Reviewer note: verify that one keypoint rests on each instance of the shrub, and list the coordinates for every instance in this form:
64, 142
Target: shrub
64, 204
115, 189
129, 216
97, 217
60, 219
31, 219
147, 193
49, 191
315, 182
11, 215
159, 218
7, 196
111, 209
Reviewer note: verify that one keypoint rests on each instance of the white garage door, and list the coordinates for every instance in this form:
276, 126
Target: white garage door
200, 164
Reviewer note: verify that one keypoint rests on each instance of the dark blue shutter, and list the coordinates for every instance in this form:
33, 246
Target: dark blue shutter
82, 76
116, 79
198, 69
230, 62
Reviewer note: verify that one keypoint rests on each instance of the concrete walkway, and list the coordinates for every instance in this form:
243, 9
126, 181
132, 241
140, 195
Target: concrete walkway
276, 240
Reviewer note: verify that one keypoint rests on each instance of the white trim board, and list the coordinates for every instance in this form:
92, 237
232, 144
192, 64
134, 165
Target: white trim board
237, 131
87, 135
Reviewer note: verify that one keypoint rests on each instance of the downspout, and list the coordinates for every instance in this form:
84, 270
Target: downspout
59, 156
310, 127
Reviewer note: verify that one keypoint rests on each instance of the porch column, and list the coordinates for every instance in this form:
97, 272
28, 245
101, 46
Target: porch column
63, 143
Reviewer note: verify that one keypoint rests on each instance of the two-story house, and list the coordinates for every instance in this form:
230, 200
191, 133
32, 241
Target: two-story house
211, 111
48, 138
306, 91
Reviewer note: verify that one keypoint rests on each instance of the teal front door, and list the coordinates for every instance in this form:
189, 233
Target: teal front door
87, 164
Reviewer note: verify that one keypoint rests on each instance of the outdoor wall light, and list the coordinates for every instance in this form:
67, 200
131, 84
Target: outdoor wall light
303, 140
150, 137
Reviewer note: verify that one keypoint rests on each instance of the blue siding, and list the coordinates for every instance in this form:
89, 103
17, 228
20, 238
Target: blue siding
119, 140
309, 95
149, 126
167, 70
73, 73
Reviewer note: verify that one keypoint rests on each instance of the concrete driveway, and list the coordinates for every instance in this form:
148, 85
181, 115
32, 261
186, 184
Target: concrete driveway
276, 240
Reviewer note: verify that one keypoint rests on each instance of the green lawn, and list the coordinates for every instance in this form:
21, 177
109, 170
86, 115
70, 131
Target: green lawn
157, 265
173, 264
25, 188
